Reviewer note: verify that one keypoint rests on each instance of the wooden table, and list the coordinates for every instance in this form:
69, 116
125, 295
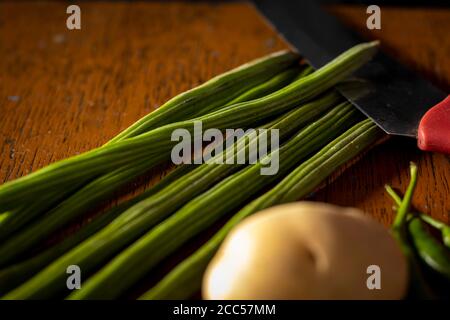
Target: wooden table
63, 92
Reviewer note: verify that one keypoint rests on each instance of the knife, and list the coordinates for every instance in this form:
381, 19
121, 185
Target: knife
395, 98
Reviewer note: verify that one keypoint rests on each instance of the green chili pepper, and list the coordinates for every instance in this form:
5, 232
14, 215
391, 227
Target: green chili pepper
436, 256
431, 251
442, 227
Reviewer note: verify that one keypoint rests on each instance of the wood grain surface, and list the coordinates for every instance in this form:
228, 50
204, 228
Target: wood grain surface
64, 92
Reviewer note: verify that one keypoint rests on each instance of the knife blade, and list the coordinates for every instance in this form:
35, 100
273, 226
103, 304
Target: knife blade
395, 98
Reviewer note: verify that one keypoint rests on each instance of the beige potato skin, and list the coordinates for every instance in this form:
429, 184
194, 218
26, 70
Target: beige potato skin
306, 250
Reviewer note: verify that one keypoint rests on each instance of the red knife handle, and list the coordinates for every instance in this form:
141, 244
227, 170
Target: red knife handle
434, 128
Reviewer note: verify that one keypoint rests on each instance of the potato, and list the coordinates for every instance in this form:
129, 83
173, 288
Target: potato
306, 250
